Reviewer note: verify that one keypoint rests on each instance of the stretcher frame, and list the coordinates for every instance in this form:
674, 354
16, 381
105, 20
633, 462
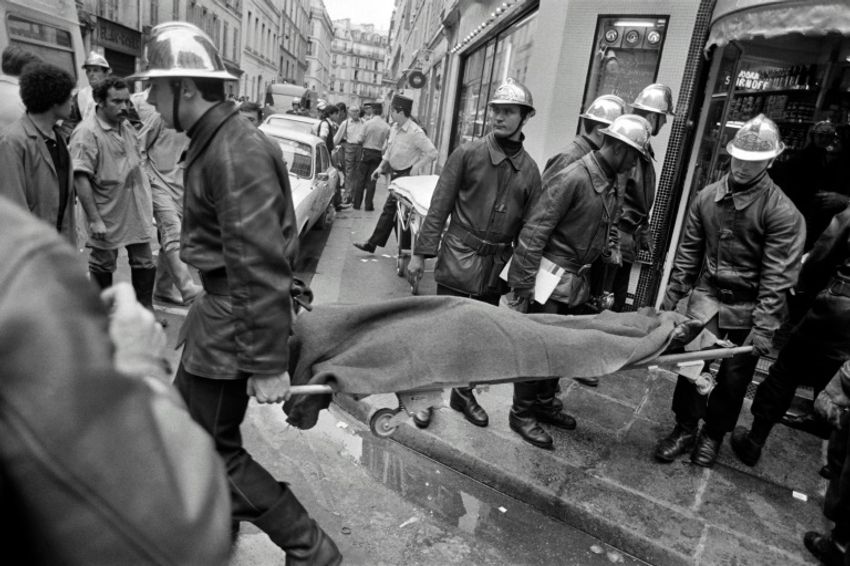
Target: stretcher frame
384, 421
407, 219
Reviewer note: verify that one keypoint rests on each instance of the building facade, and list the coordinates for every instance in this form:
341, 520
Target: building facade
295, 23
358, 56
318, 74
261, 47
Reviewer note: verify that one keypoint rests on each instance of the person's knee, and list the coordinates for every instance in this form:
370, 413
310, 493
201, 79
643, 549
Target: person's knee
140, 256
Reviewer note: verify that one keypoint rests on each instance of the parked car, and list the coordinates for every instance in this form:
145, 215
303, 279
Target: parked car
303, 124
313, 178
279, 98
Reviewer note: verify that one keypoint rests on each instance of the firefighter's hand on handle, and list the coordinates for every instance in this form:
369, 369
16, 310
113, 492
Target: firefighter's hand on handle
415, 268
273, 388
138, 338
520, 300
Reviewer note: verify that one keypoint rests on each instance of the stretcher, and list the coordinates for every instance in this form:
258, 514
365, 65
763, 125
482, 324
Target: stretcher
413, 197
384, 421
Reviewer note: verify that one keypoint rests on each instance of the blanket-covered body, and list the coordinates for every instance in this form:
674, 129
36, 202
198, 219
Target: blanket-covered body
437, 341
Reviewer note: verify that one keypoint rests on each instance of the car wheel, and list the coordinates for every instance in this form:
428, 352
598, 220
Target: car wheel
327, 218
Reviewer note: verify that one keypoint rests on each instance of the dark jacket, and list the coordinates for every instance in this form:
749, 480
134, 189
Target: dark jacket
488, 195
97, 468
638, 194
238, 221
740, 252
829, 259
570, 226
30, 178
578, 148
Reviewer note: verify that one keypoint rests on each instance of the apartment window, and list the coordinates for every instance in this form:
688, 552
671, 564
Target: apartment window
154, 12
224, 43
175, 9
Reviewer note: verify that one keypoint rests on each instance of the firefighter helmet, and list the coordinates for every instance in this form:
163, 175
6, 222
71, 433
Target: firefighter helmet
95, 59
632, 130
757, 140
654, 98
180, 49
513, 92
605, 109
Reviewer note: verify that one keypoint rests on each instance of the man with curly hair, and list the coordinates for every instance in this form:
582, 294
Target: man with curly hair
34, 159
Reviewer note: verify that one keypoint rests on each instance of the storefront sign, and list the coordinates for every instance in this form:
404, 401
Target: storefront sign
118, 37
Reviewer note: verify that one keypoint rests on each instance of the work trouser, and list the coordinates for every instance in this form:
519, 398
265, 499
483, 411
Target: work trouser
721, 408
388, 218
369, 161
219, 406
353, 154
105, 260
836, 503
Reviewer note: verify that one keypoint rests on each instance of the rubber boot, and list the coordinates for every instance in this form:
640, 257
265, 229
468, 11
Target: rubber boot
522, 420
103, 280
143, 284
181, 276
290, 527
547, 411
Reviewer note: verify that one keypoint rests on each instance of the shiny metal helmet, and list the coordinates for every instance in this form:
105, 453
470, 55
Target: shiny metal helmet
513, 92
757, 140
180, 49
631, 129
605, 109
95, 59
655, 98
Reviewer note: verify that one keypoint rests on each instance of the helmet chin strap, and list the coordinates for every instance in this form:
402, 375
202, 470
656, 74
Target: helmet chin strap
175, 108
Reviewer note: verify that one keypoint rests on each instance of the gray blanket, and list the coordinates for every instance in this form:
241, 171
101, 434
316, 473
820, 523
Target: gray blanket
433, 342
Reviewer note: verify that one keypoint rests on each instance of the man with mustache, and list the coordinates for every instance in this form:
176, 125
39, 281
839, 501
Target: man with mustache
114, 190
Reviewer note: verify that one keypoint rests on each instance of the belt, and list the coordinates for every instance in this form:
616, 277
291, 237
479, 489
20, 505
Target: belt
479, 245
838, 286
731, 296
215, 281
396, 173
572, 266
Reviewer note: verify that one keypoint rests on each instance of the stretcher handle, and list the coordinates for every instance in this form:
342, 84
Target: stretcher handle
315, 389
712, 354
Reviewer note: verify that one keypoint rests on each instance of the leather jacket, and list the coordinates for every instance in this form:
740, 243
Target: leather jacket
578, 148
570, 226
488, 195
829, 260
638, 190
740, 252
96, 468
238, 221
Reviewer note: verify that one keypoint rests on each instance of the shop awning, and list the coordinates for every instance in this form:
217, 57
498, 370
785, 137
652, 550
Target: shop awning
737, 20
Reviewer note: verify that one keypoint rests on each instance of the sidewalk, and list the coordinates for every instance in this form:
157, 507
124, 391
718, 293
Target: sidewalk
601, 477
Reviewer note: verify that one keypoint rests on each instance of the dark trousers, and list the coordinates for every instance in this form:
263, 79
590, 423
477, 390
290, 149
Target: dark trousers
370, 160
720, 410
387, 220
219, 406
815, 350
836, 503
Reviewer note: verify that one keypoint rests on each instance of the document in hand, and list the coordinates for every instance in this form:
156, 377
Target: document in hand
548, 277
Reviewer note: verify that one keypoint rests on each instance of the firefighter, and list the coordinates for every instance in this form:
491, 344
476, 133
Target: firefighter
739, 255
239, 231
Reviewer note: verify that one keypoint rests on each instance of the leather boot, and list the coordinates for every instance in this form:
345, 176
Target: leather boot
678, 442
290, 527
545, 408
143, 285
463, 400
706, 450
522, 420
181, 276
745, 448
103, 280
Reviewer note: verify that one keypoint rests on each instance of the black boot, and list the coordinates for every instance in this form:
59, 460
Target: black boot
103, 280
522, 420
290, 527
463, 400
143, 281
547, 411
706, 450
678, 442
745, 447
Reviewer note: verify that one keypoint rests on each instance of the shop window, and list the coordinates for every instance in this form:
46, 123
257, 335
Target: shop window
625, 58
50, 43
504, 55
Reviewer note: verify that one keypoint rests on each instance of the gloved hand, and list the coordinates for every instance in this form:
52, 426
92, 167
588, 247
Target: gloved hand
612, 255
415, 268
761, 343
642, 241
829, 410
138, 338
669, 303
521, 300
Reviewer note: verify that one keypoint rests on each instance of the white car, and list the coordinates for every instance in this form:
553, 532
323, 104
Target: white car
313, 179
303, 124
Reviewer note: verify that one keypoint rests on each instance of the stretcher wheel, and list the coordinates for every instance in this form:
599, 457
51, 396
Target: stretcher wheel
380, 423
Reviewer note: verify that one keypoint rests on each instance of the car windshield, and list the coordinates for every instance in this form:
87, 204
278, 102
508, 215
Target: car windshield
297, 125
298, 157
